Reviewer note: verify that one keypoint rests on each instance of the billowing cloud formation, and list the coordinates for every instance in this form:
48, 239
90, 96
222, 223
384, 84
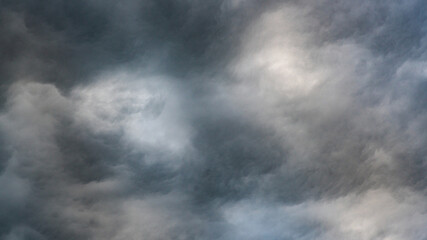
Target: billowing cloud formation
236, 119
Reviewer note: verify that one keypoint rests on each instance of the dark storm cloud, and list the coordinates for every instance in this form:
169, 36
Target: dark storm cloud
67, 42
213, 120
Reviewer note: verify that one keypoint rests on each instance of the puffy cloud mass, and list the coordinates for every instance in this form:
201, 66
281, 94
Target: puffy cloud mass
235, 119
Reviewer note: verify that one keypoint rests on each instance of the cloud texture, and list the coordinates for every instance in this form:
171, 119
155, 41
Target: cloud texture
235, 119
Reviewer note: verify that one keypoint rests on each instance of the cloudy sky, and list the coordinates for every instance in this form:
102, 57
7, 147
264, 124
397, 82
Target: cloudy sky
213, 120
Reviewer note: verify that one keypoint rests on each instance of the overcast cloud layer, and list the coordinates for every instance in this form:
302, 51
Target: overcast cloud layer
208, 119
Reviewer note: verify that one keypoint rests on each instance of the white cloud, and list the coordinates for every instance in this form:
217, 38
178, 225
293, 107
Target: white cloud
275, 57
146, 110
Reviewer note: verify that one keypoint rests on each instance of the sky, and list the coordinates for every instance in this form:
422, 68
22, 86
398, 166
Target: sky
213, 120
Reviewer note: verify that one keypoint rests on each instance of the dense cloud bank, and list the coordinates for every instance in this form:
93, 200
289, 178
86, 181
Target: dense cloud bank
190, 119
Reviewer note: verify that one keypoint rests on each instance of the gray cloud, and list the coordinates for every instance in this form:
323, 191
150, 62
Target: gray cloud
224, 120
